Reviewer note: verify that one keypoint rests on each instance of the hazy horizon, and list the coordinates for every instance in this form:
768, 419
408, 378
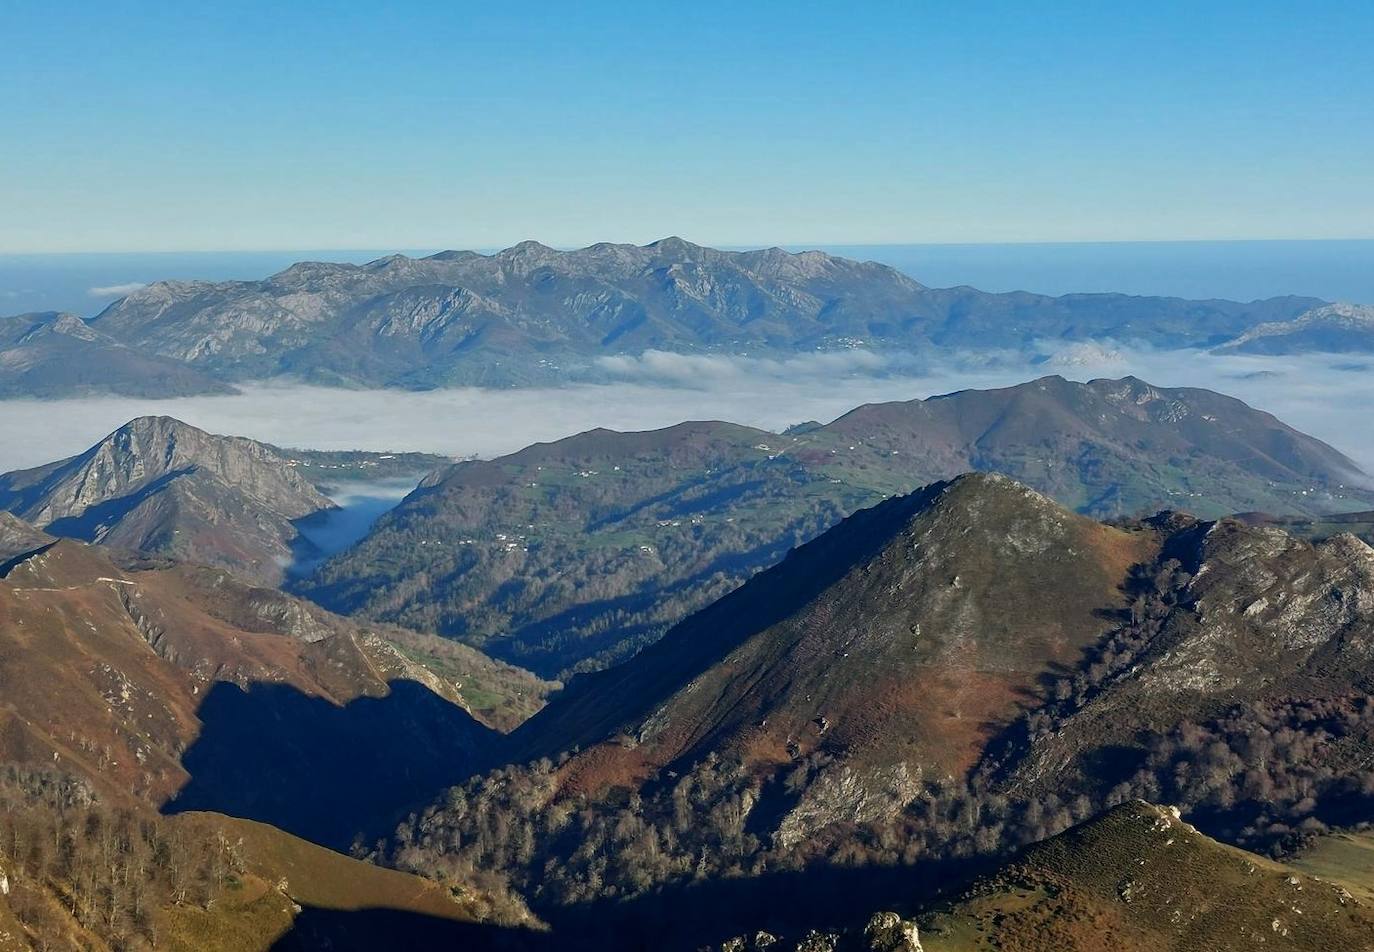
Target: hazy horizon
1333, 269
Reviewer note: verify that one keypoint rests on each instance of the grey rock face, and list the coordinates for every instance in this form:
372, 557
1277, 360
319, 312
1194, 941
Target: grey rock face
18, 538
160, 486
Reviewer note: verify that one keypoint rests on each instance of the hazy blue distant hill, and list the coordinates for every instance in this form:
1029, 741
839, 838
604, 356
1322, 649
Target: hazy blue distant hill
1332, 328
52, 355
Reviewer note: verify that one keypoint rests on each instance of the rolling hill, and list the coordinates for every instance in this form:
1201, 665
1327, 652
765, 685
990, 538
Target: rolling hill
210, 883
570, 555
1139, 879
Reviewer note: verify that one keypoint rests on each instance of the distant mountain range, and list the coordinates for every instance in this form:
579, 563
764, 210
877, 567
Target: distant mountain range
534, 315
570, 555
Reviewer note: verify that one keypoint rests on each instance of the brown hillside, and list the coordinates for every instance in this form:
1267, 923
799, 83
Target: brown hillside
179, 685
902, 636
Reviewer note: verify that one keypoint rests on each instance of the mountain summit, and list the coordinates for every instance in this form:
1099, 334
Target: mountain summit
905, 635
1332, 328
161, 486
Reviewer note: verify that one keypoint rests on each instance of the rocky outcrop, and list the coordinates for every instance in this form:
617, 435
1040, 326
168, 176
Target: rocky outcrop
18, 538
884, 932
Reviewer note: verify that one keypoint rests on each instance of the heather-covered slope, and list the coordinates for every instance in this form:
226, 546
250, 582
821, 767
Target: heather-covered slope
181, 686
160, 486
899, 637
533, 314
569, 555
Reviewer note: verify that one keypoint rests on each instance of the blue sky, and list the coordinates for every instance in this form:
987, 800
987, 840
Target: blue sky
128, 126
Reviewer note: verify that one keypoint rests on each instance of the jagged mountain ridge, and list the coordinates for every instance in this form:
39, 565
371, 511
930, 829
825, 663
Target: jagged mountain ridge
532, 314
572, 554
161, 486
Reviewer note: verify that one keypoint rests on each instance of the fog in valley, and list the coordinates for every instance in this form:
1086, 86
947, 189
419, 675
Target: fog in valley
1322, 395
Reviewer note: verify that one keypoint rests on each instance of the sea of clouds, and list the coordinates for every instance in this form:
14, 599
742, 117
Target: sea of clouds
1329, 397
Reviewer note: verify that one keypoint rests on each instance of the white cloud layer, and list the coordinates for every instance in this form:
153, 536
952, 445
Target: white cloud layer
1331, 398
114, 290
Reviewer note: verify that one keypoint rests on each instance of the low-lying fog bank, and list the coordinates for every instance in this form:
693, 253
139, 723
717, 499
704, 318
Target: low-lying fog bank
1330, 397
361, 503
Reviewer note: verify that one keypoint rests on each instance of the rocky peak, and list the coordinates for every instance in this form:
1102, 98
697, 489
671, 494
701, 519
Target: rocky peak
527, 256
145, 453
673, 247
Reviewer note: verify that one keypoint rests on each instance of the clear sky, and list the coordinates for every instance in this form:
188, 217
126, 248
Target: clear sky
131, 126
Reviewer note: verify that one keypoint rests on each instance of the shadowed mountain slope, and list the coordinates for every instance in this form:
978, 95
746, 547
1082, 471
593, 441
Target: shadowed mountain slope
180, 684
570, 555
937, 681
